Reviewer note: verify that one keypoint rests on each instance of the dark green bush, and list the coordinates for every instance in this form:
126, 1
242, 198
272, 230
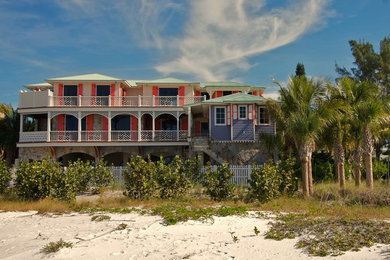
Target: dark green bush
218, 182
101, 176
5, 175
139, 178
38, 180
173, 180
193, 167
379, 169
323, 167
271, 180
81, 173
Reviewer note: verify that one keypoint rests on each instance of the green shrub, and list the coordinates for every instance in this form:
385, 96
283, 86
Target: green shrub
173, 181
379, 169
218, 182
80, 172
38, 180
323, 168
139, 178
53, 247
5, 176
193, 167
101, 176
271, 180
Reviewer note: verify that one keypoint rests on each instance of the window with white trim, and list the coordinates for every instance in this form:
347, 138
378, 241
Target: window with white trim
263, 116
242, 112
220, 115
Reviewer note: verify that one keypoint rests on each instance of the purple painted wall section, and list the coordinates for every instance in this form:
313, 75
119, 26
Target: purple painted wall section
219, 133
242, 129
269, 129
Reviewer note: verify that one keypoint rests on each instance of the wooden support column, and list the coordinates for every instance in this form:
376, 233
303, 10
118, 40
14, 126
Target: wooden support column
79, 127
48, 127
189, 122
153, 125
177, 125
109, 126
139, 126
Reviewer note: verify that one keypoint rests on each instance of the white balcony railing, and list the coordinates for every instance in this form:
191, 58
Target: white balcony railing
128, 101
33, 137
103, 136
64, 136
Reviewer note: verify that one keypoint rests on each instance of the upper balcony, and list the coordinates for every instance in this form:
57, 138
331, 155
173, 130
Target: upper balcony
45, 98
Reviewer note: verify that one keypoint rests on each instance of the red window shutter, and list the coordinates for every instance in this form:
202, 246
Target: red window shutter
234, 112
197, 93
261, 93
219, 93
254, 93
93, 90
105, 128
228, 115
181, 95
157, 124
80, 89
134, 128
112, 93
61, 122
214, 94
234, 92
89, 122
60, 89
155, 93
250, 112
184, 124
197, 127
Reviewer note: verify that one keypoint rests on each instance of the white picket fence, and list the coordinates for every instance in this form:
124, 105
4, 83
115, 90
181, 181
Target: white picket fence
241, 173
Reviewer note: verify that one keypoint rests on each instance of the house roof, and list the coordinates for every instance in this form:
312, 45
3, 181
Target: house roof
226, 84
233, 98
164, 81
43, 85
85, 77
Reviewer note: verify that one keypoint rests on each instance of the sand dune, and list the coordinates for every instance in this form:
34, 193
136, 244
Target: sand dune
23, 234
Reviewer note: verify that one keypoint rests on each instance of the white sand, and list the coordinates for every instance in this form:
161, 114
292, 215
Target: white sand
23, 234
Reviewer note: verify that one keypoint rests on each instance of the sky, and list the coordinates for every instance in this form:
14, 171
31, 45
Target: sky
250, 41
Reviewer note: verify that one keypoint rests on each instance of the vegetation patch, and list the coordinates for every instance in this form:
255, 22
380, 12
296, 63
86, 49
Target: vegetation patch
53, 247
331, 235
173, 214
99, 218
121, 226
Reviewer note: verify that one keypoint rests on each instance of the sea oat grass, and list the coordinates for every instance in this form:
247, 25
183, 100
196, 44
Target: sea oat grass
53, 247
329, 235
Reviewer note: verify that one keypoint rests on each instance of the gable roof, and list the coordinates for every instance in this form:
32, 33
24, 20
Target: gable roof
164, 81
43, 85
85, 77
227, 84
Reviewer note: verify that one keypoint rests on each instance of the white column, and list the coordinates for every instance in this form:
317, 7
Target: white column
189, 122
139, 125
153, 125
21, 123
48, 127
109, 126
177, 125
79, 127
139, 100
109, 100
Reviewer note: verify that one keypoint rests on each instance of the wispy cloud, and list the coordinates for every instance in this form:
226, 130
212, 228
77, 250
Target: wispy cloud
221, 35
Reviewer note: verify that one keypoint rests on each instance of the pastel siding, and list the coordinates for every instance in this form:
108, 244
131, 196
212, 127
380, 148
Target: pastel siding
219, 133
243, 130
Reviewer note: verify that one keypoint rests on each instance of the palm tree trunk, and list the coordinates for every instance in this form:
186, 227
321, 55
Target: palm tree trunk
357, 164
304, 156
339, 157
367, 150
310, 175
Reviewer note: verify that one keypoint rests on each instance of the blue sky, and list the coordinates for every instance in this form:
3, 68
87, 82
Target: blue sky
251, 41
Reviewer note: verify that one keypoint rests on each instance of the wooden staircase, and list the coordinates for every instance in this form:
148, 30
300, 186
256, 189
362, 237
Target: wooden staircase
201, 144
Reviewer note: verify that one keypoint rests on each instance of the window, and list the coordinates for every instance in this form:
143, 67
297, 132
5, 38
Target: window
225, 93
220, 116
263, 115
242, 112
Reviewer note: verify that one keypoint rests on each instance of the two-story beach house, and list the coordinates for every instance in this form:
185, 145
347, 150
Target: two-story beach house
93, 116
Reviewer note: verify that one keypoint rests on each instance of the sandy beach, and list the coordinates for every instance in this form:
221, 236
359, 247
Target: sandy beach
23, 234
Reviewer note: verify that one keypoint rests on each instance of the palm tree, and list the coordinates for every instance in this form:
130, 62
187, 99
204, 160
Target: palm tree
9, 132
303, 115
370, 112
